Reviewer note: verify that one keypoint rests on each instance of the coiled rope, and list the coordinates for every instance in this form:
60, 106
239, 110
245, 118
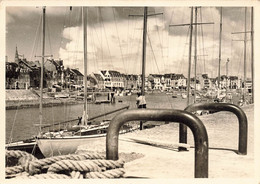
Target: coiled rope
75, 166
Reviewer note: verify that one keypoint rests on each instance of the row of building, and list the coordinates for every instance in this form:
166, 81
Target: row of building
23, 74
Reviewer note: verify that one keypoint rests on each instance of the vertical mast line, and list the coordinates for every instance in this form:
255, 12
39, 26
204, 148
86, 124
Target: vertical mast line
252, 51
42, 63
220, 37
190, 50
182, 127
195, 53
144, 51
85, 118
245, 40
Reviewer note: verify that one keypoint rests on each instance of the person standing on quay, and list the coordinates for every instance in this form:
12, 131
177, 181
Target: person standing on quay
141, 104
140, 101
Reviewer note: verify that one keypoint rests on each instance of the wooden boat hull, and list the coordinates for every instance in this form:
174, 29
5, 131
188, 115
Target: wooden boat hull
69, 144
66, 145
30, 147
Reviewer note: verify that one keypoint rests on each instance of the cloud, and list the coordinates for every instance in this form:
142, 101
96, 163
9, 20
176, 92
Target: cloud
115, 39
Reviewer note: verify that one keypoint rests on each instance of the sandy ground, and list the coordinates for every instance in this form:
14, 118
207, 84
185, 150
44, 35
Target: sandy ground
154, 162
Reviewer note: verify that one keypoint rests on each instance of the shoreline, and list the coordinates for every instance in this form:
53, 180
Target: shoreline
21, 104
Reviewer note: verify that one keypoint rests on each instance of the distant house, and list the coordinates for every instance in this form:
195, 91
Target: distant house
213, 82
99, 79
248, 85
168, 81
76, 77
158, 81
205, 81
24, 73
131, 81
12, 73
54, 72
234, 82
113, 79
179, 81
192, 83
107, 78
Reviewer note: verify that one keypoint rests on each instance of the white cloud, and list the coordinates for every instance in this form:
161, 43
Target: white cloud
121, 48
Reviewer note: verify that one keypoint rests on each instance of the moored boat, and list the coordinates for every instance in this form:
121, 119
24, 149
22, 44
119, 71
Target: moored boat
184, 95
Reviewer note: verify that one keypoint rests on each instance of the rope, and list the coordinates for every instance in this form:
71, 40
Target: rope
17, 154
109, 164
74, 166
76, 175
45, 176
114, 173
13, 170
17, 175
35, 167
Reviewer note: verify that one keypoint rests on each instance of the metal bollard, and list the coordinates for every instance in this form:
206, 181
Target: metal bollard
194, 123
242, 143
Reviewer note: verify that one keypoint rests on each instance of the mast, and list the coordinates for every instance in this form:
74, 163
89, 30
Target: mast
144, 50
189, 67
195, 53
245, 40
219, 58
42, 63
182, 127
252, 51
227, 85
85, 117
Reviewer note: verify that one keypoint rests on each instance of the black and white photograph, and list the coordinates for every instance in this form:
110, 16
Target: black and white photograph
130, 91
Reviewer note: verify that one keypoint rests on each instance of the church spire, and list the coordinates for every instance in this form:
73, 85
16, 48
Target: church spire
16, 59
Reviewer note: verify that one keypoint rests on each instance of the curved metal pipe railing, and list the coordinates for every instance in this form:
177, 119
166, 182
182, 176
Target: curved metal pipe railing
194, 123
242, 119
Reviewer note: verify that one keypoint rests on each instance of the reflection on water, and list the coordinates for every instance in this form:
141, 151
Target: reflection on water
23, 121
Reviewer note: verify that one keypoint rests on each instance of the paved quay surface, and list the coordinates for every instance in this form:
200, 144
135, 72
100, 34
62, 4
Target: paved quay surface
154, 162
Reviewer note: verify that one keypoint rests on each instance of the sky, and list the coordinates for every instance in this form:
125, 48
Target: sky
114, 39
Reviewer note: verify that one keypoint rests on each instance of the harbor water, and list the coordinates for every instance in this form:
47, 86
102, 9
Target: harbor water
21, 123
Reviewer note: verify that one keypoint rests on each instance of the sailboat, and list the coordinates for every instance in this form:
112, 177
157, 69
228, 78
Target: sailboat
66, 141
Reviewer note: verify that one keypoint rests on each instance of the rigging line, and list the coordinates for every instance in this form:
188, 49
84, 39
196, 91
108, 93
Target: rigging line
49, 38
240, 62
92, 44
184, 50
63, 27
69, 28
171, 17
75, 54
138, 49
106, 39
160, 40
179, 42
131, 35
127, 41
163, 37
119, 40
127, 51
203, 47
153, 53
12, 129
101, 42
36, 38
169, 37
52, 112
138, 43
135, 56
